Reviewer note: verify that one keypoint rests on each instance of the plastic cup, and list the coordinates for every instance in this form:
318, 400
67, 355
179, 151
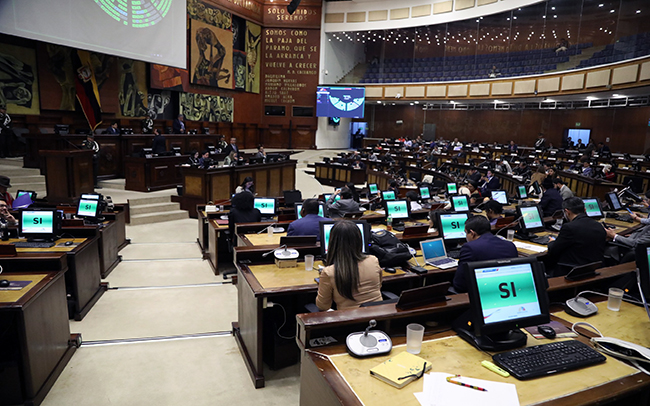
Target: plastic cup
414, 335
309, 262
511, 235
221, 207
270, 231
614, 299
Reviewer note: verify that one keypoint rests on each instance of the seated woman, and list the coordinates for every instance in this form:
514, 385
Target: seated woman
247, 186
242, 211
352, 278
194, 159
493, 211
231, 159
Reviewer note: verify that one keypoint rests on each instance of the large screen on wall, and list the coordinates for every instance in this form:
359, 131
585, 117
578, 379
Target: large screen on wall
146, 30
340, 101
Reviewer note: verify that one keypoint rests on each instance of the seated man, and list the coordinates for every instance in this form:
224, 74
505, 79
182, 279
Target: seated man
337, 208
564, 190
622, 249
551, 201
581, 240
481, 245
491, 183
5, 216
309, 223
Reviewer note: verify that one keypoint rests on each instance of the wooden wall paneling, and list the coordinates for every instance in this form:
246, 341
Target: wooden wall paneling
134, 175
275, 182
303, 137
110, 159
289, 178
193, 186
221, 187
262, 183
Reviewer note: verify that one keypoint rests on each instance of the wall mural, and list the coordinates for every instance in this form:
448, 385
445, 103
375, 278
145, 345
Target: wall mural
253, 37
211, 55
132, 96
168, 78
57, 67
202, 107
18, 80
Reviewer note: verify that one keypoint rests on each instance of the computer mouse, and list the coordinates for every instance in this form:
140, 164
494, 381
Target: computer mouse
580, 307
390, 270
68, 243
4, 283
546, 331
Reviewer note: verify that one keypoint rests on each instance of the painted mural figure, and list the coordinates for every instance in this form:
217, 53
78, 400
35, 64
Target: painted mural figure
209, 69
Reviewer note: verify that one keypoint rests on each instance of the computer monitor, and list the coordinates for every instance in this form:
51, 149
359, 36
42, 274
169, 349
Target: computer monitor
291, 197
459, 203
326, 228
613, 202
88, 208
452, 189
321, 209
93, 196
373, 189
40, 224
522, 193
388, 195
31, 193
397, 209
642, 252
500, 196
327, 196
256, 160
425, 193
504, 295
537, 188
266, 206
532, 219
592, 208
452, 227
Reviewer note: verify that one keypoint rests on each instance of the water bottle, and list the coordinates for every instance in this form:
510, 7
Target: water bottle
389, 223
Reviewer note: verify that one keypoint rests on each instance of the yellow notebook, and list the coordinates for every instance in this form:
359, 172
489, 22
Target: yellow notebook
403, 365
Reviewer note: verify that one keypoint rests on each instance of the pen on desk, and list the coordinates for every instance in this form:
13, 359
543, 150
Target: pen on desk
450, 379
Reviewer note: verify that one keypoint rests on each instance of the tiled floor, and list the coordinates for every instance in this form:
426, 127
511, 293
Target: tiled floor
162, 292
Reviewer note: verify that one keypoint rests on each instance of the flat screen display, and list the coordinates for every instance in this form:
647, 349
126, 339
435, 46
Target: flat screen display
265, 206
328, 195
372, 188
388, 195
25, 192
523, 194
327, 228
146, 30
37, 222
460, 203
451, 188
340, 101
397, 209
453, 226
321, 210
500, 196
433, 249
424, 193
507, 293
87, 208
592, 208
578, 135
613, 201
531, 218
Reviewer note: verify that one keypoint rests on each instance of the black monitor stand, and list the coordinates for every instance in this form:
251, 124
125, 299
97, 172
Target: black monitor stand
398, 225
493, 342
524, 235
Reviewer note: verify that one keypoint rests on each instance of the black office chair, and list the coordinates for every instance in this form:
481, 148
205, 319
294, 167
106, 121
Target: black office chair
353, 215
388, 297
575, 272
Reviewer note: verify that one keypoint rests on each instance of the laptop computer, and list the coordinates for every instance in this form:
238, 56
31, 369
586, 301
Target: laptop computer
435, 254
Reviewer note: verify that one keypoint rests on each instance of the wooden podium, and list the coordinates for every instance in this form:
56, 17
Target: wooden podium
68, 174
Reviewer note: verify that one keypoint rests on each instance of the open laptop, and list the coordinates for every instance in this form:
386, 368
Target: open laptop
435, 254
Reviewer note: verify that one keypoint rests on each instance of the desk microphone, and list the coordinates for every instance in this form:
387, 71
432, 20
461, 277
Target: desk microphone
264, 229
266, 254
476, 209
508, 225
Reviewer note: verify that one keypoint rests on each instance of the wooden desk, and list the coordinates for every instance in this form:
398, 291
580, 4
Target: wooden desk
83, 279
201, 186
292, 288
329, 376
36, 342
338, 175
156, 173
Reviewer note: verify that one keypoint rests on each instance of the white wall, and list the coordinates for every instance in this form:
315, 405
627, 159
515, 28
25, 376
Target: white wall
338, 58
333, 137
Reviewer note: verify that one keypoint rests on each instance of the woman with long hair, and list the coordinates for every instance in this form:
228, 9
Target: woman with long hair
248, 185
352, 278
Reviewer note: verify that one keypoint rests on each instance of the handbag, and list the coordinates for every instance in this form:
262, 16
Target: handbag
388, 249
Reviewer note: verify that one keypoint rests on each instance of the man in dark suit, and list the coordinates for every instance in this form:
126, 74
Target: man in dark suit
179, 125
232, 147
159, 144
491, 183
309, 223
581, 240
551, 201
481, 245
112, 129
338, 208
474, 174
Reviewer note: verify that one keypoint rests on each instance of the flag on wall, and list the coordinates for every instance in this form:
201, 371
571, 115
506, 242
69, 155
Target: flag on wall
86, 87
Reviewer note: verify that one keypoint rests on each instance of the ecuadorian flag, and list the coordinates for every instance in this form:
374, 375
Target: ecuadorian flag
86, 87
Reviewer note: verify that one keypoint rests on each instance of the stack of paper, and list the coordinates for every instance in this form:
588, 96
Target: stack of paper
530, 247
439, 392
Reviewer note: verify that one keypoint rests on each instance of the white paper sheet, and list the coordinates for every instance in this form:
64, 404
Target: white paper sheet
439, 392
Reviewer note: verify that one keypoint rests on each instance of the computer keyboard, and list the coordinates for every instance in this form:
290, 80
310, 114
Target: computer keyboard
441, 261
455, 254
546, 359
34, 244
543, 240
624, 217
